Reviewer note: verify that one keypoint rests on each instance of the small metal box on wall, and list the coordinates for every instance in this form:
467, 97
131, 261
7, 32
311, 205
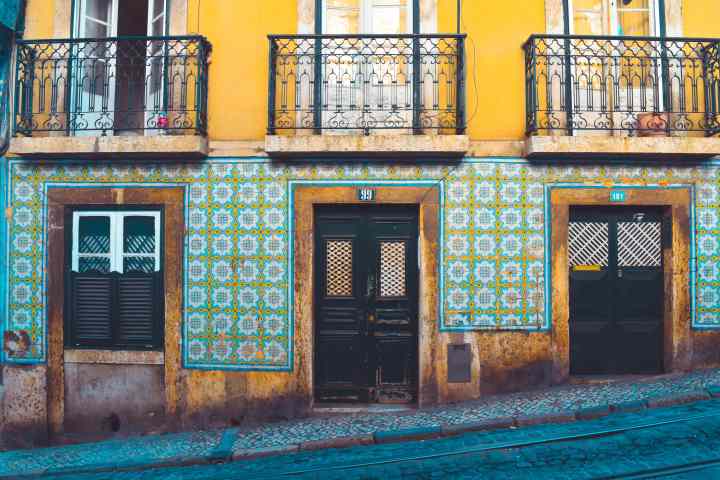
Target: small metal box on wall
459, 360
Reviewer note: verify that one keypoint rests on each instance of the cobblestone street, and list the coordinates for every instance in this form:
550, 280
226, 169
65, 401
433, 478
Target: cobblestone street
621, 445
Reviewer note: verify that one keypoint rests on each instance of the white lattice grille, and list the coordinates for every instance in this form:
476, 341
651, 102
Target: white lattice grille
588, 243
639, 244
339, 268
392, 269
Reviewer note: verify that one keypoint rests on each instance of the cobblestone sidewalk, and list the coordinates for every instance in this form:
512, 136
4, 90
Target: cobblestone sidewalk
557, 404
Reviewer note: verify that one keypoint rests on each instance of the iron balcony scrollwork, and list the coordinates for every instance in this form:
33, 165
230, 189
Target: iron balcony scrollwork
366, 83
111, 86
613, 83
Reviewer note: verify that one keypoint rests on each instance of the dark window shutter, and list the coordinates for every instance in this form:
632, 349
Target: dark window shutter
138, 309
92, 309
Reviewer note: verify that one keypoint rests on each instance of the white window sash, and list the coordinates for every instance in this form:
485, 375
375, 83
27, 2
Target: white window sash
366, 7
117, 237
612, 20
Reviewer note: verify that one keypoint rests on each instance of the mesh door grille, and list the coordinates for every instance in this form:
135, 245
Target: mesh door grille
639, 244
588, 243
338, 278
392, 269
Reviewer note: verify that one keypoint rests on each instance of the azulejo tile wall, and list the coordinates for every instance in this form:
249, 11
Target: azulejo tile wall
237, 286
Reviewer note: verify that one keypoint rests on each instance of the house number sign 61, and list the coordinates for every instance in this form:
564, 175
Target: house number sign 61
366, 194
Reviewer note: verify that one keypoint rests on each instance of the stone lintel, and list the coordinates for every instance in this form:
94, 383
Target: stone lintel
412, 146
538, 147
132, 147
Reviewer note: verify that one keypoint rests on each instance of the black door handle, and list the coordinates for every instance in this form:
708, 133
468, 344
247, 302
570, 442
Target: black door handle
370, 291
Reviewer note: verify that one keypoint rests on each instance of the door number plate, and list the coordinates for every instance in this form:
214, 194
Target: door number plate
366, 194
617, 196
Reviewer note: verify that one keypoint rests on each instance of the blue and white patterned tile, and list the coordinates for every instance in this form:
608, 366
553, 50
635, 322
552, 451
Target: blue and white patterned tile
237, 230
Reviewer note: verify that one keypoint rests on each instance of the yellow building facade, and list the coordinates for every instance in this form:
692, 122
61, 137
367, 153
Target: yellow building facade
224, 211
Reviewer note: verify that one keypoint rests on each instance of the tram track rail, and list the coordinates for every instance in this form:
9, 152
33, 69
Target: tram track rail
597, 433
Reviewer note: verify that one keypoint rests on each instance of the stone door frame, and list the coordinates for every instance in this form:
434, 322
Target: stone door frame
676, 202
171, 198
427, 197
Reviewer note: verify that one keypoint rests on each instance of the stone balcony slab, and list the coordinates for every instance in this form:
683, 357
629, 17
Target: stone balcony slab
367, 146
596, 146
111, 147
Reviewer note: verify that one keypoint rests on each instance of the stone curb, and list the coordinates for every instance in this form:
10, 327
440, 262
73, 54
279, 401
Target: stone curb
678, 399
407, 434
338, 442
591, 413
629, 407
251, 453
483, 425
555, 417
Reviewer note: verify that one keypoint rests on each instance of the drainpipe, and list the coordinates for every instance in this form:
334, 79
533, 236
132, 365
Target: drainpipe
7, 39
459, 16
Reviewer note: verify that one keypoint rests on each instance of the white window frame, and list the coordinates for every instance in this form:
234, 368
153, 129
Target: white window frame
117, 238
612, 12
366, 7
81, 16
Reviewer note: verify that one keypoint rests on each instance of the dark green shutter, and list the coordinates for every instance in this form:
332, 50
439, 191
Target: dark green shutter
139, 308
92, 309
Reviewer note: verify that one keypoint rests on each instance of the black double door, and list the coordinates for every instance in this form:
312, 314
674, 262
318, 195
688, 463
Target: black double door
366, 303
615, 257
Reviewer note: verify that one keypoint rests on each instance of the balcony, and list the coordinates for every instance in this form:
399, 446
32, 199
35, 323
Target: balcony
622, 96
108, 97
344, 95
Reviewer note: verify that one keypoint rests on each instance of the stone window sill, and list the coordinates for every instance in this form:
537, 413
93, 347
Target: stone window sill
133, 147
557, 147
411, 146
115, 357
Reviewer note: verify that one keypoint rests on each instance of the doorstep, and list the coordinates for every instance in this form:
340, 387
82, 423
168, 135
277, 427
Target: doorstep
618, 378
353, 408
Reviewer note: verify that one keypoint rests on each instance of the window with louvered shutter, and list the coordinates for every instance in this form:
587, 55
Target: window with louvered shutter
92, 309
115, 294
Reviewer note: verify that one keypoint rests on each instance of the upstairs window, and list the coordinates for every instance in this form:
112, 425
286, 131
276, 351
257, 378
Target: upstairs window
115, 293
391, 17
614, 17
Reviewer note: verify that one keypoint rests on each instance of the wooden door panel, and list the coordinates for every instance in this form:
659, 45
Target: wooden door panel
591, 296
394, 304
338, 318
366, 303
349, 360
616, 309
396, 368
340, 341
394, 317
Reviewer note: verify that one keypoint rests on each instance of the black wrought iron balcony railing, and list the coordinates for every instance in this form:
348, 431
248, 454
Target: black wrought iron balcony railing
619, 84
109, 86
366, 83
